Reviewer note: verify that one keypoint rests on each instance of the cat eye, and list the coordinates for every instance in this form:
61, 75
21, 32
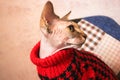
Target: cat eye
71, 27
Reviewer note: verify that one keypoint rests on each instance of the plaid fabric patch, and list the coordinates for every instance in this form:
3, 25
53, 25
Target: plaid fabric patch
103, 45
109, 52
94, 35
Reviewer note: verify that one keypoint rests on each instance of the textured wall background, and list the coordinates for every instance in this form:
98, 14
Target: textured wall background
19, 30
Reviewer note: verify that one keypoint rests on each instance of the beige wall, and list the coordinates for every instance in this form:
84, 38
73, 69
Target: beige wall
19, 30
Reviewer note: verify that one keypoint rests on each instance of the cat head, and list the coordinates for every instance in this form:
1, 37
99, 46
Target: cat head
60, 32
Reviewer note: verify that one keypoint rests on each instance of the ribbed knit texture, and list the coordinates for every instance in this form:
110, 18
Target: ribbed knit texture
71, 64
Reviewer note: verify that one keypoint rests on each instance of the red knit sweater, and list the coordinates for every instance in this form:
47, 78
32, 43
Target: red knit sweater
71, 64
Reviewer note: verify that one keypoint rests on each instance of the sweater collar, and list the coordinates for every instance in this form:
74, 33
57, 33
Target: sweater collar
51, 60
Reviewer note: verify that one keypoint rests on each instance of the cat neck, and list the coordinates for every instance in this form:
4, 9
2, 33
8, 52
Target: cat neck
46, 49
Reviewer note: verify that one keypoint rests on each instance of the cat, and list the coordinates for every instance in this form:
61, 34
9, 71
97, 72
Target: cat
56, 55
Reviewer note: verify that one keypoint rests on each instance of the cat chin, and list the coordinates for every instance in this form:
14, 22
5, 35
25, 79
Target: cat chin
67, 46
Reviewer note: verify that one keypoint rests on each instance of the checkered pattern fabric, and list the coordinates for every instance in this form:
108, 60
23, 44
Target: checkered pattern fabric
94, 35
103, 45
109, 51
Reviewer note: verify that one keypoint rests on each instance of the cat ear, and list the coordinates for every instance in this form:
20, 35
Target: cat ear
66, 16
48, 15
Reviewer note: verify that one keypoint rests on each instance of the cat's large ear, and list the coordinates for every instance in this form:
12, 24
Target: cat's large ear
47, 15
66, 16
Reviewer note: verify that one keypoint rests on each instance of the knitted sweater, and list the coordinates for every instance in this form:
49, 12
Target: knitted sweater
71, 64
